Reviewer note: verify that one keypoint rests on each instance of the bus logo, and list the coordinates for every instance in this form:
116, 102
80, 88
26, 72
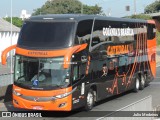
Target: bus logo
36, 99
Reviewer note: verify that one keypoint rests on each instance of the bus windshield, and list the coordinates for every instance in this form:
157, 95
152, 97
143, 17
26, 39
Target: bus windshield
40, 73
46, 35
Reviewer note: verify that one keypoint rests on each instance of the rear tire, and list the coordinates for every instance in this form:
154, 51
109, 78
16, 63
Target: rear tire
89, 100
142, 82
146, 80
137, 85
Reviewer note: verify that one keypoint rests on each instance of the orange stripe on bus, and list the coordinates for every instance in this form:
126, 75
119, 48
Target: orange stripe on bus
135, 60
41, 53
67, 53
151, 54
151, 21
39, 93
70, 52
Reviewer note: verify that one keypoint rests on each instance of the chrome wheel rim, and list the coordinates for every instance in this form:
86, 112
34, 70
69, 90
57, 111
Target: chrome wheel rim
137, 83
142, 81
90, 99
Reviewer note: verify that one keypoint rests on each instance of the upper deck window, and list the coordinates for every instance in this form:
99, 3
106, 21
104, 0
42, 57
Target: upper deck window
83, 33
46, 35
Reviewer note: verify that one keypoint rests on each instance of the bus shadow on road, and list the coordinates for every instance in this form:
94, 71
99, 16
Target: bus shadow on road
113, 97
6, 93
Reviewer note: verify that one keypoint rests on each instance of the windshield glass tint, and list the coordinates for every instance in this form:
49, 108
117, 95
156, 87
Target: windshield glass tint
42, 73
46, 35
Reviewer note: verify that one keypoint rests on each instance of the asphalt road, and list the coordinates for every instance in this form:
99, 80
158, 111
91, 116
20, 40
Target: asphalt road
111, 104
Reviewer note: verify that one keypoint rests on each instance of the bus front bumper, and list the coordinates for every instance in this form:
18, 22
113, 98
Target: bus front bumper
63, 104
56, 100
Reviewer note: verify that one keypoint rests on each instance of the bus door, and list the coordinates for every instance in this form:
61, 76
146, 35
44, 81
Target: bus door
78, 81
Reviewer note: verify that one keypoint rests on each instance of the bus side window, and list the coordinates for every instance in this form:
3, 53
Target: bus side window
83, 32
151, 32
75, 72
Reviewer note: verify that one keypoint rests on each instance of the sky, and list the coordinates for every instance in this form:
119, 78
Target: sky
114, 8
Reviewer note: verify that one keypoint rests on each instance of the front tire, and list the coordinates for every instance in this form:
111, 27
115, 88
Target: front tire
89, 100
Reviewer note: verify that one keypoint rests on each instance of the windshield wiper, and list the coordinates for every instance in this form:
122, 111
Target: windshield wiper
19, 78
60, 86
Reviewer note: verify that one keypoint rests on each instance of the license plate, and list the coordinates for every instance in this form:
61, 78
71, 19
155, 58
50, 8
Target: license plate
37, 107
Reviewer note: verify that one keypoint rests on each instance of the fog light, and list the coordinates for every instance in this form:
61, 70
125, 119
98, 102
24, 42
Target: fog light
15, 101
62, 104
17, 93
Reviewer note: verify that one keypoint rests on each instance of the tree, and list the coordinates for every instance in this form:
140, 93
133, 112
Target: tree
15, 21
140, 16
158, 38
67, 6
154, 7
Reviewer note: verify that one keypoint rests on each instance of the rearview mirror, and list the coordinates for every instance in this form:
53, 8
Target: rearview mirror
83, 59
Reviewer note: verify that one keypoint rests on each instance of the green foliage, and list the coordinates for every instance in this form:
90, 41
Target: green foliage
67, 6
140, 16
154, 7
92, 9
15, 20
158, 38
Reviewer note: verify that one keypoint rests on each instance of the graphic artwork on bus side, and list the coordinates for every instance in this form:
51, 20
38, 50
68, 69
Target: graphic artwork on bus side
140, 56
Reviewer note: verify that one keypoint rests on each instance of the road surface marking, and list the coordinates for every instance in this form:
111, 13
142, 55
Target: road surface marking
154, 83
124, 107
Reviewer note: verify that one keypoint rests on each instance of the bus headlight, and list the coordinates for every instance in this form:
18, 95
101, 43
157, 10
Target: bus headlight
16, 93
63, 95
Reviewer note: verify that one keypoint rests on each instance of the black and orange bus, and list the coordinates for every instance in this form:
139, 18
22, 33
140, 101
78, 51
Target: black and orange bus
64, 62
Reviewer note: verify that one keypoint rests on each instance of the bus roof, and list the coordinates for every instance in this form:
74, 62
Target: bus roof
80, 17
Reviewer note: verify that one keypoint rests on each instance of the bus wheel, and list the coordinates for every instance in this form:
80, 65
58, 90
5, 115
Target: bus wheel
89, 100
142, 82
137, 85
146, 80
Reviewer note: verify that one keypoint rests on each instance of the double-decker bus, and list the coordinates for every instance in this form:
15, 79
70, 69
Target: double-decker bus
64, 62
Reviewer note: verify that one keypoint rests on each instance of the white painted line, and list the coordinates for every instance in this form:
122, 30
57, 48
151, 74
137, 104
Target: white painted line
123, 107
154, 83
